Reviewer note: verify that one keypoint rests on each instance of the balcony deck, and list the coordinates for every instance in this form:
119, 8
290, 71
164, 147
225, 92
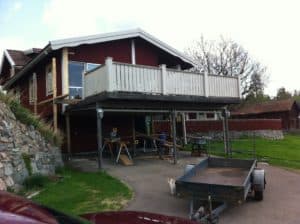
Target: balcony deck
114, 77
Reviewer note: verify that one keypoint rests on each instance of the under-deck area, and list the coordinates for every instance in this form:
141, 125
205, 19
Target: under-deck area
112, 125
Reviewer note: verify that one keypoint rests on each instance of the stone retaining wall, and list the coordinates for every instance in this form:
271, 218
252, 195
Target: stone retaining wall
18, 141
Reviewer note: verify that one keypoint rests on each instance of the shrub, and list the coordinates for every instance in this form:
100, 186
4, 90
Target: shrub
27, 118
27, 161
35, 181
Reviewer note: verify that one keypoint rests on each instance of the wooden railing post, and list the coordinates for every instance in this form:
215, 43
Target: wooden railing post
109, 74
205, 85
239, 87
163, 78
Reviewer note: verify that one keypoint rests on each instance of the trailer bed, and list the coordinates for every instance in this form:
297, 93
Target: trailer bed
221, 175
226, 180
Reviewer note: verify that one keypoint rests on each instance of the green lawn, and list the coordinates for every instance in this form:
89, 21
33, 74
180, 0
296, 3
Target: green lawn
78, 192
284, 152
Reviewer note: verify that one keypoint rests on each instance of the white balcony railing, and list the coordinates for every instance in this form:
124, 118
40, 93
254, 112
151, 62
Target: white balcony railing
114, 76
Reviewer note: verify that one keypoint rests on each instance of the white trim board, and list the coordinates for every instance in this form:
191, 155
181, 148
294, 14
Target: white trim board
10, 60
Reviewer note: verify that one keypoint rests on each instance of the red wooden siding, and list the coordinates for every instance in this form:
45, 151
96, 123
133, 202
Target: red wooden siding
145, 53
84, 130
289, 119
234, 125
44, 110
97, 53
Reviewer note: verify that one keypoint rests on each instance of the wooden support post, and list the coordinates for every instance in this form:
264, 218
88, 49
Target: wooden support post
163, 78
173, 115
35, 107
68, 133
99, 113
226, 132
183, 128
54, 94
35, 94
133, 135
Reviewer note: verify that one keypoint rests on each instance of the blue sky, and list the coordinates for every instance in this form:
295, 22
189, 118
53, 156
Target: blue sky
268, 29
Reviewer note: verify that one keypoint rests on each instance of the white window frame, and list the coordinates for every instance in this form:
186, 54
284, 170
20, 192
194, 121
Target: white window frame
32, 89
87, 64
49, 80
190, 119
203, 117
211, 118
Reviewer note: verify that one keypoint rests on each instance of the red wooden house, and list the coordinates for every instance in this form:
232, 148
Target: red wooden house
125, 75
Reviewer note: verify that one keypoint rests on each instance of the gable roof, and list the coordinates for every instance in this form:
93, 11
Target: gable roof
266, 107
100, 38
18, 57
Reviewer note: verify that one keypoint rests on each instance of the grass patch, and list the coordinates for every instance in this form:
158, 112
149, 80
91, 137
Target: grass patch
26, 117
285, 152
82, 192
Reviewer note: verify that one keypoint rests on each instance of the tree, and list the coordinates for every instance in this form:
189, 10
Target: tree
226, 57
283, 94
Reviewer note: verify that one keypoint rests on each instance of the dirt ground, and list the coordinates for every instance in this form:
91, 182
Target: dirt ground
148, 178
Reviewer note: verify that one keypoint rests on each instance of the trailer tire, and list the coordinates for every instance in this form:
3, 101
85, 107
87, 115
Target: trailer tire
258, 183
258, 195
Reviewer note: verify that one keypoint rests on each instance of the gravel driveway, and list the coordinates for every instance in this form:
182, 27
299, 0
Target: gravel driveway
148, 178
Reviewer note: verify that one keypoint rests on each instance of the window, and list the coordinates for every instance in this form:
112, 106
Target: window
211, 116
91, 66
76, 70
49, 84
192, 116
32, 89
202, 116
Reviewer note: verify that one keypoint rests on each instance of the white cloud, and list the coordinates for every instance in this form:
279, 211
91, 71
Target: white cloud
17, 6
268, 29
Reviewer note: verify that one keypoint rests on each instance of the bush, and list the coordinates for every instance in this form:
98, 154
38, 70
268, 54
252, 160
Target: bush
27, 161
26, 117
35, 182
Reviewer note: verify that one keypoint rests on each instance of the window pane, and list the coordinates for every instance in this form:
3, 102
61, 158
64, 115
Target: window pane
75, 93
210, 115
192, 116
75, 73
90, 66
201, 116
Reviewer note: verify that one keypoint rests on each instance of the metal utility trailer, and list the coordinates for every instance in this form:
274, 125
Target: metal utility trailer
215, 183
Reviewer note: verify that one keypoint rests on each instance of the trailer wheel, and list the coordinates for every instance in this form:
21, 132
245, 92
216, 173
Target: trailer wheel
258, 183
258, 195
